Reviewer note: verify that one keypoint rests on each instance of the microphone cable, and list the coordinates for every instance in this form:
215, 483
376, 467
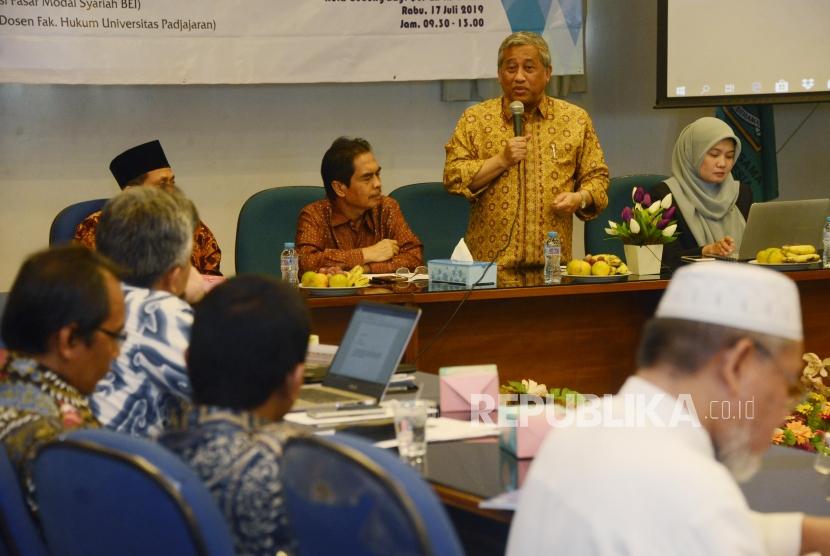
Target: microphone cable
521, 170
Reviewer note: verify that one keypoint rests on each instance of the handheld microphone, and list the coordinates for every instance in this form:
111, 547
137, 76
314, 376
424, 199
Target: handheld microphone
518, 109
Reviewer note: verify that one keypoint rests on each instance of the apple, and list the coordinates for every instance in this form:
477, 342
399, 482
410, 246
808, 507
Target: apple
577, 268
308, 278
601, 268
320, 280
338, 281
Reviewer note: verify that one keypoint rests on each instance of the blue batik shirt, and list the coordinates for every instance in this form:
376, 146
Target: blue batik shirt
147, 386
238, 455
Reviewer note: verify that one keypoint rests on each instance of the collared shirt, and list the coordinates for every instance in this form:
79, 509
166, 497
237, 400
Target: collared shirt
563, 155
147, 386
325, 237
206, 256
645, 481
36, 405
238, 457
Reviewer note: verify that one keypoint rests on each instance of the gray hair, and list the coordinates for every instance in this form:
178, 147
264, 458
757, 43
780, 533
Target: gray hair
687, 345
147, 231
526, 38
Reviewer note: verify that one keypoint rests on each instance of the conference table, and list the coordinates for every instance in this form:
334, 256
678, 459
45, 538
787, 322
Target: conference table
583, 336
463, 473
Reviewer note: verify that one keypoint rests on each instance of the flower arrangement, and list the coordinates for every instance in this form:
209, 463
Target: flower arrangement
810, 421
561, 396
650, 222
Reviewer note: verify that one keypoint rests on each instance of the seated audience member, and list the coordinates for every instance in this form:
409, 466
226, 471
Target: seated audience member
63, 325
712, 205
656, 471
147, 232
245, 361
355, 224
146, 164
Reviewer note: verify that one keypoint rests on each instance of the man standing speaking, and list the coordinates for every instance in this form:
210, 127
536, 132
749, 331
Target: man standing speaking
525, 166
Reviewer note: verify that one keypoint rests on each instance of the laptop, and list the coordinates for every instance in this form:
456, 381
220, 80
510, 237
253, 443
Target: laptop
370, 351
777, 223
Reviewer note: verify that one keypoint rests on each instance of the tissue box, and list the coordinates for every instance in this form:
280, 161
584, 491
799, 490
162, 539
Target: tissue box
458, 384
522, 434
462, 273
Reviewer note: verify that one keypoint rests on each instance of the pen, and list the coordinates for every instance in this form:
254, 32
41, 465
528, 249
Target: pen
394, 388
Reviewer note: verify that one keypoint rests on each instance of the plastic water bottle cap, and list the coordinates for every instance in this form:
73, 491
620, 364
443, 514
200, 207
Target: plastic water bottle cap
828, 219
289, 245
552, 234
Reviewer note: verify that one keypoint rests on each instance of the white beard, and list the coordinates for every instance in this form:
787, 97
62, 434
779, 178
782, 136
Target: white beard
736, 455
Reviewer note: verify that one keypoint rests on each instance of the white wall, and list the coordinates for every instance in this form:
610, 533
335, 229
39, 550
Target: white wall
227, 142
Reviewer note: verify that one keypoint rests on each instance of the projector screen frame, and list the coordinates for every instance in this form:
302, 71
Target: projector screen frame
665, 101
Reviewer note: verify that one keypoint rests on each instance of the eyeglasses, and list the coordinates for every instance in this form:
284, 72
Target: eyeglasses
120, 337
796, 390
420, 273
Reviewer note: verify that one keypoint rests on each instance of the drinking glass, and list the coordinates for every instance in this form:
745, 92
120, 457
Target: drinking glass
410, 428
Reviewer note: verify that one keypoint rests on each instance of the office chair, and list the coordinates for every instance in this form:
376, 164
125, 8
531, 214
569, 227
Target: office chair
437, 218
343, 492
619, 197
100, 492
18, 534
64, 224
267, 220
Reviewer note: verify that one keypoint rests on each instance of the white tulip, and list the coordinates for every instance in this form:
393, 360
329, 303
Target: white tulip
633, 191
612, 224
666, 202
638, 206
535, 389
634, 226
611, 231
654, 208
669, 230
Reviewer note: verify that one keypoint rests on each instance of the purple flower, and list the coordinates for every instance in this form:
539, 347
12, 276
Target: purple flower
638, 194
646, 200
663, 223
627, 213
669, 214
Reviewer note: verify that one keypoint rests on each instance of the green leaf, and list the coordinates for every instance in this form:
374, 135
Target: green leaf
517, 386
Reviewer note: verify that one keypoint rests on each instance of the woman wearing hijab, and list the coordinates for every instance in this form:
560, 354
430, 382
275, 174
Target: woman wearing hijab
711, 206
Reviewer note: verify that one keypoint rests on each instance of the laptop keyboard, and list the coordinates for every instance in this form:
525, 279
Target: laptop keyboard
318, 395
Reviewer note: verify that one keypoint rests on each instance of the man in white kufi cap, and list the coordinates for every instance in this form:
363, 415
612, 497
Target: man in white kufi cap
654, 470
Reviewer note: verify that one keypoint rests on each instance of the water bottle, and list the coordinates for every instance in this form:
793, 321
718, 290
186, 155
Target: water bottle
553, 253
289, 264
825, 258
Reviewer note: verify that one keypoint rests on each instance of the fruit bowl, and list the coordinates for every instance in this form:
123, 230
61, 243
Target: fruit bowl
588, 278
789, 266
331, 292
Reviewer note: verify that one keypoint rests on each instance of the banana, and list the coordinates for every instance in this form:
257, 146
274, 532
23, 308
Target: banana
805, 258
799, 249
612, 260
356, 277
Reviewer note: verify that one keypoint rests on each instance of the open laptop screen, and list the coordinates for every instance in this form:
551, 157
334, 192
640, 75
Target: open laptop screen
374, 342
777, 223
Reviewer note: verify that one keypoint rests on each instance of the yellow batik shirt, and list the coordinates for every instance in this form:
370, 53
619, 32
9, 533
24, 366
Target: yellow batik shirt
563, 155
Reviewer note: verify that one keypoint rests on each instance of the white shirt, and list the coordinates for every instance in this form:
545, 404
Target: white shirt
148, 383
640, 490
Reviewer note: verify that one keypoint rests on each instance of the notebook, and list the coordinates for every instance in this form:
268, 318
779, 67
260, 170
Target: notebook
370, 351
777, 223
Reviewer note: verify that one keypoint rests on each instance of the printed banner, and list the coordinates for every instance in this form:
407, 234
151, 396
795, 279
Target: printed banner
758, 165
273, 41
